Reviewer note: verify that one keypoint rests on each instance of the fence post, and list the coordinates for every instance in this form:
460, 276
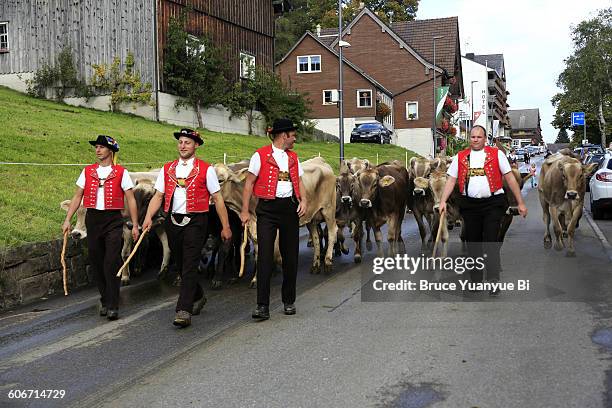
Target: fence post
406, 160
377, 159
319, 154
224, 158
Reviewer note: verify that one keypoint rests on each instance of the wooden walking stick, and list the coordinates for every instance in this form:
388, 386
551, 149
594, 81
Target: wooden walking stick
63, 261
245, 237
127, 261
442, 219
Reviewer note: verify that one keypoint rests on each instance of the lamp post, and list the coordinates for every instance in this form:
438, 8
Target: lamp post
433, 124
340, 85
472, 104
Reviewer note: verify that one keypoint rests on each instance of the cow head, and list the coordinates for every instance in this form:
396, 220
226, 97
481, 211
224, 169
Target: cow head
144, 191
80, 230
572, 173
369, 181
223, 172
345, 186
419, 170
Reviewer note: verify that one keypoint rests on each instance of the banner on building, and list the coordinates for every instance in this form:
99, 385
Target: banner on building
441, 94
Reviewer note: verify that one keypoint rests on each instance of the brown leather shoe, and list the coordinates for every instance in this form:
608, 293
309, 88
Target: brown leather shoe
182, 318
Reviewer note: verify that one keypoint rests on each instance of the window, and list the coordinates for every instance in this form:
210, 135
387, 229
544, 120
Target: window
329, 98
364, 98
194, 46
247, 66
4, 45
309, 63
412, 110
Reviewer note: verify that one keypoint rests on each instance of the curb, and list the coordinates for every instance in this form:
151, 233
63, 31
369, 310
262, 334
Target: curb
600, 235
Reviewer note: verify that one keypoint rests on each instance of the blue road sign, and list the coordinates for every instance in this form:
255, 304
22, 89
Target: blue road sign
577, 118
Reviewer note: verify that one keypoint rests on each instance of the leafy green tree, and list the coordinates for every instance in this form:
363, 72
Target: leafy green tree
266, 97
562, 137
195, 69
586, 80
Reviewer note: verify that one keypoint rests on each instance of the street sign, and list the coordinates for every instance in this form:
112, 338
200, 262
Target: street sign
577, 118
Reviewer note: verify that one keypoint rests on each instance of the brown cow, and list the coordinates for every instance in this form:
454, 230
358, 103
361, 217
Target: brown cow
512, 210
382, 193
561, 189
348, 212
437, 181
420, 199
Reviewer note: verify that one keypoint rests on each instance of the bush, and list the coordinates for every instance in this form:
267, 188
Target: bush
58, 78
124, 87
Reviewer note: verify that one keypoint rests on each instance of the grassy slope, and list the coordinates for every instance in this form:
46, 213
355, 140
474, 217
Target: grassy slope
40, 131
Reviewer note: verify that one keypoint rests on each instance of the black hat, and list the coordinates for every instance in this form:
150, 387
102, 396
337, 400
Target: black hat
106, 141
282, 125
190, 133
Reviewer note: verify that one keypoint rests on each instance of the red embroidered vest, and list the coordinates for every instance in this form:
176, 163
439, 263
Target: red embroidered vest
113, 193
266, 182
195, 184
491, 168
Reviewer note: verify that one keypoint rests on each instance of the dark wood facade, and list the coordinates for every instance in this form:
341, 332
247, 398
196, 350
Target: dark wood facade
239, 25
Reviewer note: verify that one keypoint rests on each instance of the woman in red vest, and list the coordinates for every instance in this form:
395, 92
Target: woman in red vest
102, 187
274, 177
185, 186
479, 171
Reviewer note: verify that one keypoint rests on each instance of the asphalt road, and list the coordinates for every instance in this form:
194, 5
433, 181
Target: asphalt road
546, 349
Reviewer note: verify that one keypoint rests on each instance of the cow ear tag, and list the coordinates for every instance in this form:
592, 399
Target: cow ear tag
386, 181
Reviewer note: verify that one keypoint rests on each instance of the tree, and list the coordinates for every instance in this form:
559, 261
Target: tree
306, 14
195, 69
586, 80
562, 137
266, 95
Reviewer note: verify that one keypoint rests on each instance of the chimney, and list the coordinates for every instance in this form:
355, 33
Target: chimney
470, 55
318, 30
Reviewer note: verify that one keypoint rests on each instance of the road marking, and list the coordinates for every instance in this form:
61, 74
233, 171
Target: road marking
600, 235
83, 339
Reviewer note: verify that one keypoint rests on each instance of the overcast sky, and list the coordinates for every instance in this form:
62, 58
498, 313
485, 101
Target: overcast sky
533, 35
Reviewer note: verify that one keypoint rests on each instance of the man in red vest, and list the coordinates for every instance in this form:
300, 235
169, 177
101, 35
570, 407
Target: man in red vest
479, 172
185, 186
274, 177
102, 187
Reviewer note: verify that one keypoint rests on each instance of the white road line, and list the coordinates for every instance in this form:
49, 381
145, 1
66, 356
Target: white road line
600, 235
86, 338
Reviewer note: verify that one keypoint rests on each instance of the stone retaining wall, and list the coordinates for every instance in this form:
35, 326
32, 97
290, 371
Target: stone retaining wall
33, 271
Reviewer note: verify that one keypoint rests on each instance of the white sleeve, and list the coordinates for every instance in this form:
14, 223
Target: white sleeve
300, 170
81, 180
255, 164
504, 164
212, 182
159, 183
453, 169
126, 181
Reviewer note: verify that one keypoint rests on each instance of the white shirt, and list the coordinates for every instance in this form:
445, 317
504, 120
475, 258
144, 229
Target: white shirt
283, 188
478, 186
103, 172
179, 199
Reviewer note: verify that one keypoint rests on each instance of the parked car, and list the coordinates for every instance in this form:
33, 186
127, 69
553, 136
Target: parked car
592, 158
520, 153
586, 149
601, 188
371, 132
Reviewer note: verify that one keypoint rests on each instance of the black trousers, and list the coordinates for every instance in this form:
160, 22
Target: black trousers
186, 245
104, 243
275, 215
482, 218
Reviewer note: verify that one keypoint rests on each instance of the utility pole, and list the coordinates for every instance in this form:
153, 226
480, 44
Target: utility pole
433, 125
340, 90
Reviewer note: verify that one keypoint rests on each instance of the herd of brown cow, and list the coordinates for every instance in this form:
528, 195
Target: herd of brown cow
364, 197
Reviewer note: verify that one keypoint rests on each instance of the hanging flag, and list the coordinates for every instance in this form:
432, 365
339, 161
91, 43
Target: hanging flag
441, 94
